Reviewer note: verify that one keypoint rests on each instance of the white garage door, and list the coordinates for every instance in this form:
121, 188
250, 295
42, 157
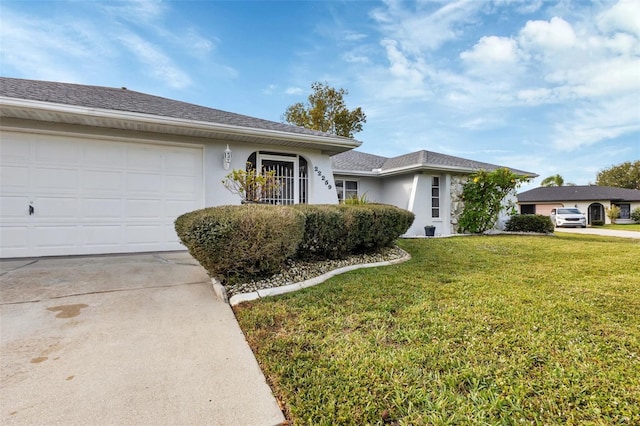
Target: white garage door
63, 195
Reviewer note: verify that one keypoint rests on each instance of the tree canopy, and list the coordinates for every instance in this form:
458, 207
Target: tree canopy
326, 111
555, 180
625, 175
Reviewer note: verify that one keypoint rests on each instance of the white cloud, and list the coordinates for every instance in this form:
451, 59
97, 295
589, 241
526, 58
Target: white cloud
418, 30
623, 16
548, 36
294, 91
160, 65
603, 121
491, 50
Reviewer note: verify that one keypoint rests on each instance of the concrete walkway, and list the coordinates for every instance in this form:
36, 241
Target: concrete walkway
126, 340
601, 231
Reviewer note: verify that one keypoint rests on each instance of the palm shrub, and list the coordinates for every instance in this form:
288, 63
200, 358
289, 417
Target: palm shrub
241, 242
613, 213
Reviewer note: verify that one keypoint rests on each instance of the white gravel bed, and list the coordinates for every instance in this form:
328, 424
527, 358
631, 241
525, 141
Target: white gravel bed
297, 271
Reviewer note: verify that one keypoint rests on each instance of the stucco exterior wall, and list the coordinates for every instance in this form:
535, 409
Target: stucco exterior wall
321, 191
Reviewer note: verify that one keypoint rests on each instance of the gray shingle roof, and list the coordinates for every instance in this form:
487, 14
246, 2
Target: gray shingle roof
109, 98
356, 161
578, 193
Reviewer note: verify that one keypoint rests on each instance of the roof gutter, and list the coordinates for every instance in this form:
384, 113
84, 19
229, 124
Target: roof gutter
227, 129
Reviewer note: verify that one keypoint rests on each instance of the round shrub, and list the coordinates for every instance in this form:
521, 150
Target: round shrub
241, 242
635, 215
529, 223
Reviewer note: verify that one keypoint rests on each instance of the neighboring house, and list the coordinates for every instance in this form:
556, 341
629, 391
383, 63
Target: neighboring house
590, 199
88, 169
423, 182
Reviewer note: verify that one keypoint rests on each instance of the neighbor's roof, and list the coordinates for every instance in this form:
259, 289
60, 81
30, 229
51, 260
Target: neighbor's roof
578, 193
367, 164
63, 100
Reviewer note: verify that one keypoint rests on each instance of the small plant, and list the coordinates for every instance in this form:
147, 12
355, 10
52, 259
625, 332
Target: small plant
597, 223
251, 186
355, 200
635, 215
613, 213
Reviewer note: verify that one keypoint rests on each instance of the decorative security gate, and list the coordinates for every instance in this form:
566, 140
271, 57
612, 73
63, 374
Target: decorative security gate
294, 187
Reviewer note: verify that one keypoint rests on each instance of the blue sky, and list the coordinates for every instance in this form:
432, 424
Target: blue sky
544, 86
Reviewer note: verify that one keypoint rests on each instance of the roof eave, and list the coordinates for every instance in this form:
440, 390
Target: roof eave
328, 144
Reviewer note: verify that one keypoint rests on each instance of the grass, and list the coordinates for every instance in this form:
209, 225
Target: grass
629, 227
472, 331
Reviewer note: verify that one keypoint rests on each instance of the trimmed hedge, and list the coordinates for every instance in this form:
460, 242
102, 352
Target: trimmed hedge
336, 231
241, 241
251, 241
529, 223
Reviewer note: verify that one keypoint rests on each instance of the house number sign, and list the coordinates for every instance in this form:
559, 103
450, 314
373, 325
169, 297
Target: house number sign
323, 177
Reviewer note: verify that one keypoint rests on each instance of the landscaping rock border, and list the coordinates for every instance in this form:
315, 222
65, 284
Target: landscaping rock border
302, 274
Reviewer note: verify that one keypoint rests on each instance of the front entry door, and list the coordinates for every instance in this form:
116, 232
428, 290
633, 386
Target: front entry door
596, 212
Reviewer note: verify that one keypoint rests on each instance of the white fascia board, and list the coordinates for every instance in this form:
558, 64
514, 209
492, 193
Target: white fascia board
177, 122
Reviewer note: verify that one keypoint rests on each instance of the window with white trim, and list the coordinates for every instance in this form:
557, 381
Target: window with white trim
435, 197
346, 189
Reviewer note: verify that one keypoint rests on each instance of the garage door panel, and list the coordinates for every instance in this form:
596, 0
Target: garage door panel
104, 155
57, 151
147, 183
144, 234
144, 158
102, 208
14, 178
102, 236
146, 209
54, 236
14, 208
185, 161
175, 208
54, 179
14, 237
14, 150
102, 181
46, 208
186, 186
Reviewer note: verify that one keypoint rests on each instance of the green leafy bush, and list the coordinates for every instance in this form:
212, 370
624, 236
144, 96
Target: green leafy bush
635, 215
335, 231
597, 223
247, 241
373, 226
483, 195
324, 232
529, 223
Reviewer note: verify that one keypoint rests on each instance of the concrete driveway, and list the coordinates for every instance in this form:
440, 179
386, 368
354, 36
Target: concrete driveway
127, 340
601, 231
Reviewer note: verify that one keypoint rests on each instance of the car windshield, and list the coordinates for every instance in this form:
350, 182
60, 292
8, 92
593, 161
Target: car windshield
568, 211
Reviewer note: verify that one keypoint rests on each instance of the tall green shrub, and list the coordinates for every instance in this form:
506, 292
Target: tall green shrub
482, 196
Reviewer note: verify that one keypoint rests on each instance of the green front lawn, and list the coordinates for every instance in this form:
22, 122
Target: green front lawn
472, 330
630, 227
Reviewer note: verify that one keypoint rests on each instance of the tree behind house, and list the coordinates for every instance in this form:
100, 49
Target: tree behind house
326, 111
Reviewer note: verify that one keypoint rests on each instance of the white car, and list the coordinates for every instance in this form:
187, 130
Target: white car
568, 216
